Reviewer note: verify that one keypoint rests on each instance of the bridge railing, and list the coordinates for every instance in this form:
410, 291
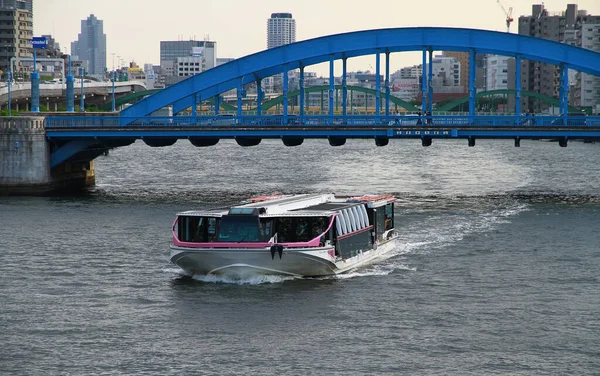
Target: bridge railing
320, 121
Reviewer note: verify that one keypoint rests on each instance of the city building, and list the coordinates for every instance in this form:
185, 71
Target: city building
406, 83
565, 27
16, 32
281, 30
465, 63
18, 4
587, 87
176, 57
497, 76
223, 60
171, 50
408, 72
91, 46
446, 75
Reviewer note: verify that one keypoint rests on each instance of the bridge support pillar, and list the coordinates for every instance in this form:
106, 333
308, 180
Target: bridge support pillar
472, 89
331, 88
387, 83
430, 82
217, 104
240, 96
197, 101
424, 83
285, 94
377, 85
259, 97
564, 92
518, 85
301, 88
344, 91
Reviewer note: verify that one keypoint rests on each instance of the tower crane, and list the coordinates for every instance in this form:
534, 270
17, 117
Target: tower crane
509, 18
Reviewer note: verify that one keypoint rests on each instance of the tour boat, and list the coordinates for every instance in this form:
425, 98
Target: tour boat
306, 235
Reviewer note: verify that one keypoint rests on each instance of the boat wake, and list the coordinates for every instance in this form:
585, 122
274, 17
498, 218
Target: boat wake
423, 235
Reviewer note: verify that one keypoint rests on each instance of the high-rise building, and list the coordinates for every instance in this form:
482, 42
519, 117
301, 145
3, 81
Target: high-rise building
586, 92
281, 30
91, 45
16, 31
565, 27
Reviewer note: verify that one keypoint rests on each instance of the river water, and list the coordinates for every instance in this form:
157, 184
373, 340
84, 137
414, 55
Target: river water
496, 271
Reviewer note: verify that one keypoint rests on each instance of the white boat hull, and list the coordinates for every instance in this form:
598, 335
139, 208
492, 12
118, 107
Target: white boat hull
248, 262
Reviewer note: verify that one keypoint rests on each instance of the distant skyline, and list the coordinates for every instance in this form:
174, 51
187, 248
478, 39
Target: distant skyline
134, 31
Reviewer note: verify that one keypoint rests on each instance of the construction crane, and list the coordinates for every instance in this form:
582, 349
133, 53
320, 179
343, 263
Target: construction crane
509, 18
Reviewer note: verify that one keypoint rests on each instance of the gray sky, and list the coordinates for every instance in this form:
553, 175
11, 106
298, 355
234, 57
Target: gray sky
134, 28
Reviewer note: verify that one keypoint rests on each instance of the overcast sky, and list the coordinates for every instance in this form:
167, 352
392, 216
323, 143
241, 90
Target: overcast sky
134, 28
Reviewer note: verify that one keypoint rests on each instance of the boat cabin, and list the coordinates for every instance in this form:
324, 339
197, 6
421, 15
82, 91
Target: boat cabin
350, 224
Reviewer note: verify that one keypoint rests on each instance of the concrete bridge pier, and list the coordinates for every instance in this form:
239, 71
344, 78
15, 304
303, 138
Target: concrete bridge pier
25, 161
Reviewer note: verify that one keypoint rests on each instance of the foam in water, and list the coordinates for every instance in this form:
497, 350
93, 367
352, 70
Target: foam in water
255, 280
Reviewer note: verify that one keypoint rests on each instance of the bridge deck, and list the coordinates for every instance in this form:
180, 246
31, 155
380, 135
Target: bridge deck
326, 126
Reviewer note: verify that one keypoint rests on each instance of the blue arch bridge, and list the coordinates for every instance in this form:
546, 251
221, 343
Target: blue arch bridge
83, 138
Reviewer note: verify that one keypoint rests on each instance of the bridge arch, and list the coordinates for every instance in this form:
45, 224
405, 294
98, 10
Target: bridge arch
544, 98
312, 89
347, 45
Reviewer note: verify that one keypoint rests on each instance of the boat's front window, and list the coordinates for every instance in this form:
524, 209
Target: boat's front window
197, 229
238, 228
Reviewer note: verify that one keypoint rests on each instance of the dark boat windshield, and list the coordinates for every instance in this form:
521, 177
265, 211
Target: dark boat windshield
239, 228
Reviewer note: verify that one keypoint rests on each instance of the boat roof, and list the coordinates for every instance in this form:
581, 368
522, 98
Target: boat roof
304, 205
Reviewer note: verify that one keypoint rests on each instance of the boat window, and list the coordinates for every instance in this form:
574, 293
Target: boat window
359, 224
299, 229
338, 224
197, 229
389, 216
265, 230
350, 220
345, 227
363, 215
238, 228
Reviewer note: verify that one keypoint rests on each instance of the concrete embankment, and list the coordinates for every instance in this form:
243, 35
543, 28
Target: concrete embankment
25, 161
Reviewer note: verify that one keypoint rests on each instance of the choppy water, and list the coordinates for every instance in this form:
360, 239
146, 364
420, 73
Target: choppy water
497, 270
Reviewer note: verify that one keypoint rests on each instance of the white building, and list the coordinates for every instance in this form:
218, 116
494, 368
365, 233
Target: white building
497, 72
281, 30
587, 87
446, 71
407, 89
189, 66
